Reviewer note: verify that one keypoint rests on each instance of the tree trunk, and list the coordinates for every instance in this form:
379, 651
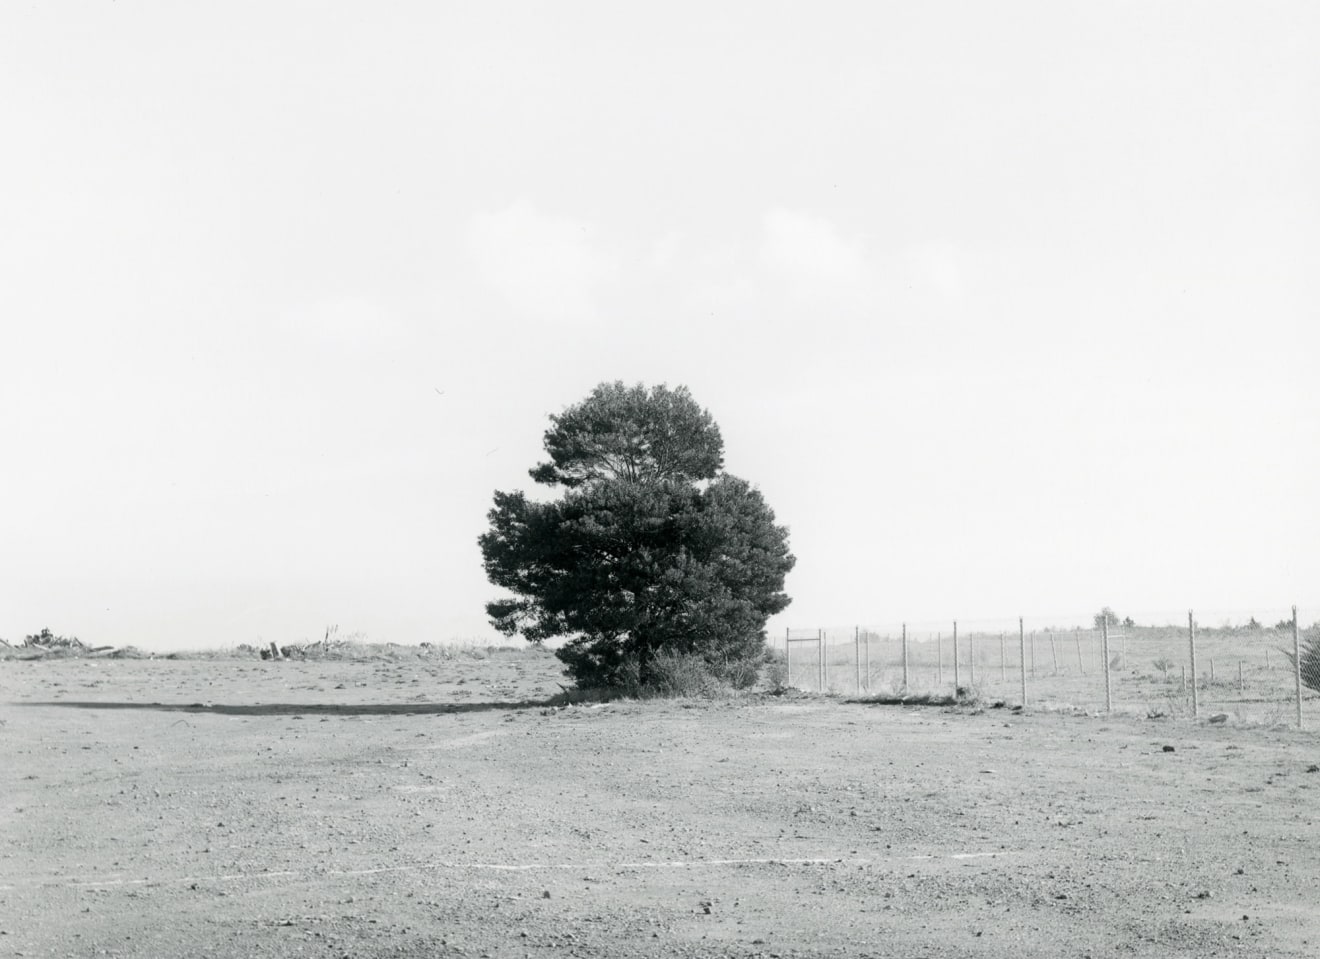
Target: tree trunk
644, 663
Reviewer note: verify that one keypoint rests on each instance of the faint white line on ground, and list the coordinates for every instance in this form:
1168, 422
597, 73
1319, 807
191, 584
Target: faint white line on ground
15, 884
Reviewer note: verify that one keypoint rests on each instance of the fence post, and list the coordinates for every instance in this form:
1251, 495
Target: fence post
1241, 686
1022, 658
824, 661
788, 660
1003, 660
1081, 666
820, 664
1212, 670
971, 658
1033, 650
868, 660
1297, 666
1184, 680
1191, 642
939, 660
1104, 652
1054, 654
857, 652
955, 659
905, 658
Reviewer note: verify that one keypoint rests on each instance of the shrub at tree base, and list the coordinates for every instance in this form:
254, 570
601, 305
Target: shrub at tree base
682, 674
651, 550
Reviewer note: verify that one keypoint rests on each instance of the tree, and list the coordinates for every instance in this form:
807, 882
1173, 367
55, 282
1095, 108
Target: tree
1105, 615
651, 548
1310, 665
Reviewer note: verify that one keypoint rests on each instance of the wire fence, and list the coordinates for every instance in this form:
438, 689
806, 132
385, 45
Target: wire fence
1253, 673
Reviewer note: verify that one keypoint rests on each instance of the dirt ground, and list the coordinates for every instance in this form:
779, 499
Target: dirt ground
163, 808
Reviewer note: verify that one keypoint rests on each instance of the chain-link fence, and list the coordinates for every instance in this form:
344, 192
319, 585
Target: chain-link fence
1247, 673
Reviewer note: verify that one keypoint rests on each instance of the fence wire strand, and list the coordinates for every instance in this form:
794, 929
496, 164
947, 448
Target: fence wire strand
1245, 673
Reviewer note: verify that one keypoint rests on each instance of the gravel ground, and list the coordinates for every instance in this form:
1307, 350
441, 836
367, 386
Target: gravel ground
430, 807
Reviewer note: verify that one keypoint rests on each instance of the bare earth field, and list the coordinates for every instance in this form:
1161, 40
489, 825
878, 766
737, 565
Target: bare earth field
218, 808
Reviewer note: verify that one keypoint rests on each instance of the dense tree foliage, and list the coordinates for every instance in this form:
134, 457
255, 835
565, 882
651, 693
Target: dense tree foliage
1106, 617
1310, 661
651, 547
630, 433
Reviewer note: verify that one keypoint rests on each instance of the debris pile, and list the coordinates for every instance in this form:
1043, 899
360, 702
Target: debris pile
323, 649
47, 644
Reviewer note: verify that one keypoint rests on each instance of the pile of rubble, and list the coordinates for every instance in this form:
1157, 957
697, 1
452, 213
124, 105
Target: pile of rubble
46, 643
328, 648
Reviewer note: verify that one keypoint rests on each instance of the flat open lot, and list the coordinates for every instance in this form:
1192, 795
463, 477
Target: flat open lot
428, 808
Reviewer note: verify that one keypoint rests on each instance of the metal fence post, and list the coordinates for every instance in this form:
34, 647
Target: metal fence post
1022, 659
820, 665
955, 659
1081, 666
1297, 666
824, 662
1104, 651
1191, 642
788, 659
1003, 660
971, 658
868, 660
905, 658
939, 659
857, 653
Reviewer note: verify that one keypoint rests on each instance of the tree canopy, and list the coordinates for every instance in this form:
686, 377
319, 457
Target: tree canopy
1106, 617
650, 549
630, 433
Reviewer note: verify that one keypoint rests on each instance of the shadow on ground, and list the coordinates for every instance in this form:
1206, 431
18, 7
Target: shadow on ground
302, 709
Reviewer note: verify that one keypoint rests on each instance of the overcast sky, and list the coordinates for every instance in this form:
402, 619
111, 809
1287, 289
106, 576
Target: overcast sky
1007, 308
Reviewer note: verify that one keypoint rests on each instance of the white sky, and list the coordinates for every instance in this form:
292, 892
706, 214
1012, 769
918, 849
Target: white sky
1007, 308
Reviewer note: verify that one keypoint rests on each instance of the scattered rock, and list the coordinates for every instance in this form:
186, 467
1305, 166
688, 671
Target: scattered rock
1219, 718
1168, 749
